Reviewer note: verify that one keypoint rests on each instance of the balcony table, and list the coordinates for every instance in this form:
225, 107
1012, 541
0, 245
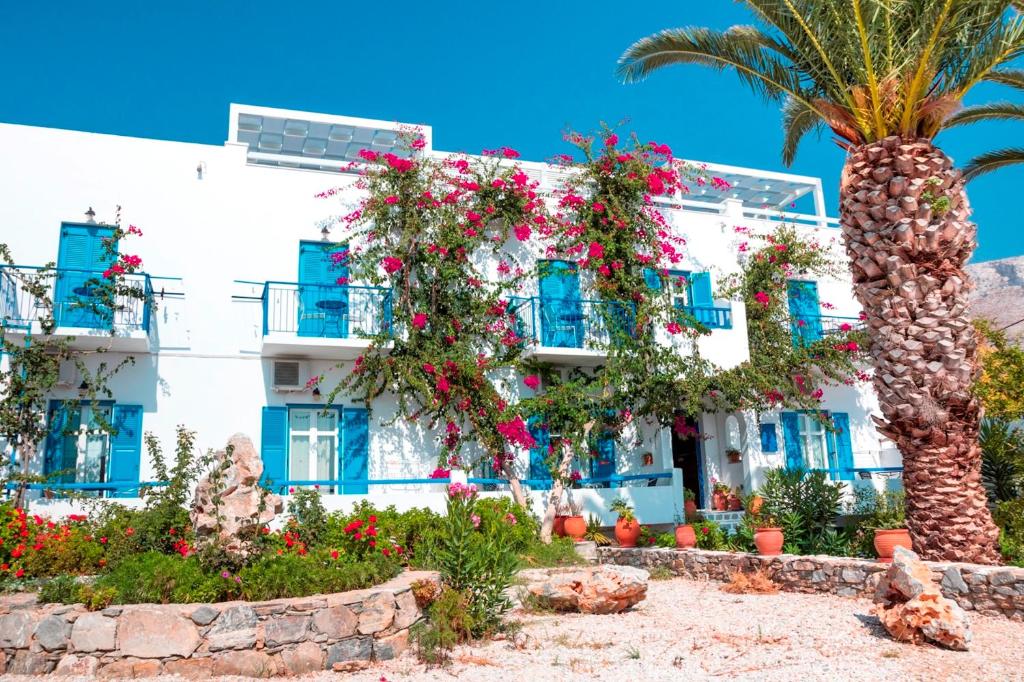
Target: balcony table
336, 310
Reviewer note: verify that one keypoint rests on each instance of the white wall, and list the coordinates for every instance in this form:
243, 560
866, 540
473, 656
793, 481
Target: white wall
237, 221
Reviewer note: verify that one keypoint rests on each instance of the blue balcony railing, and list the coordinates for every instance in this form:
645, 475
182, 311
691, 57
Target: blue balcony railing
326, 310
77, 299
806, 329
592, 324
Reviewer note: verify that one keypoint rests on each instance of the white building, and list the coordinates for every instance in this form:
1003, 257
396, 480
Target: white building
230, 342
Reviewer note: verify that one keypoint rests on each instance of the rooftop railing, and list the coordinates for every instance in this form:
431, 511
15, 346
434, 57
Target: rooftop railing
79, 299
325, 310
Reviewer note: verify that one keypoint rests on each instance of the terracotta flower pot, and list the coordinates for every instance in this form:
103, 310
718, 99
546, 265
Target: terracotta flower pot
769, 541
734, 503
685, 537
690, 508
887, 540
559, 527
755, 504
718, 501
627, 532
575, 527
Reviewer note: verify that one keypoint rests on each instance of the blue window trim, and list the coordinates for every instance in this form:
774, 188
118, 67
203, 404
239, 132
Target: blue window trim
339, 433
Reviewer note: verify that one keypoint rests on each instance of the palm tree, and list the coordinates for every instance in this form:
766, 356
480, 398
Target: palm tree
996, 111
883, 76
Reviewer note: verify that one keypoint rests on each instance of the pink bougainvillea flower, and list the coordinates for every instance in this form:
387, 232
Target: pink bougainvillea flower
367, 155
442, 384
523, 232
605, 271
428, 368
391, 264
655, 184
845, 327
397, 163
762, 298
419, 320
598, 207
419, 143
674, 328
509, 153
595, 250
391, 199
611, 140
532, 381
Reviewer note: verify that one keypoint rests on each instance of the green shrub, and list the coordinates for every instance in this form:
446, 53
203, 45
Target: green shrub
449, 622
308, 516
157, 578
561, 552
294, 575
479, 565
408, 530
665, 540
60, 590
1009, 516
710, 536
805, 503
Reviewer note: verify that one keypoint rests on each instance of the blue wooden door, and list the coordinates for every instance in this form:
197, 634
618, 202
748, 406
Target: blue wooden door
804, 312
323, 304
561, 311
791, 439
81, 258
355, 450
603, 463
61, 445
841, 447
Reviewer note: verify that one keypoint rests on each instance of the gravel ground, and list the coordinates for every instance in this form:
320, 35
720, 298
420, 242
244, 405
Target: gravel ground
687, 630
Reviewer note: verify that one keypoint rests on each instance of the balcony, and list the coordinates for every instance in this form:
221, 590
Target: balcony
806, 329
322, 321
579, 332
80, 309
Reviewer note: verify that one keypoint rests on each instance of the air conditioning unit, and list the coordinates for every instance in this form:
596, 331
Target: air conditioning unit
68, 375
289, 375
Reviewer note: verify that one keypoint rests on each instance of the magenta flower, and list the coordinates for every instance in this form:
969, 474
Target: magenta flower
532, 381
419, 320
595, 250
391, 264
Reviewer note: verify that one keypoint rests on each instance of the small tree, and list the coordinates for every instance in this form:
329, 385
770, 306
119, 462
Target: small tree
34, 358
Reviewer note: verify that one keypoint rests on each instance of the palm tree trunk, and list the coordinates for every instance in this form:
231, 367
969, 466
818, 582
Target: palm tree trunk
905, 219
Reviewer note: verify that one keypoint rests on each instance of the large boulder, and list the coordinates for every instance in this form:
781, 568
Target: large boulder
229, 505
912, 608
588, 589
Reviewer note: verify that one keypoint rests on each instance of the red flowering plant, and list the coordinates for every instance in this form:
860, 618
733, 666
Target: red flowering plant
428, 229
34, 546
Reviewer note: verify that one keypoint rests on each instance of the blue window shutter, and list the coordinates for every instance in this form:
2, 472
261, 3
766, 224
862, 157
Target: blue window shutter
539, 470
700, 289
355, 449
769, 438
791, 437
54, 457
652, 279
318, 282
561, 311
126, 450
603, 465
844, 449
274, 448
804, 311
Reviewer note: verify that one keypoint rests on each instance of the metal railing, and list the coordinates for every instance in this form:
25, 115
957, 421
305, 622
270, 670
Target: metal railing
807, 329
712, 317
326, 311
79, 298
592, 324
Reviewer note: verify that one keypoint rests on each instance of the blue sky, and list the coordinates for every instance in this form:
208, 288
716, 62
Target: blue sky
482, 74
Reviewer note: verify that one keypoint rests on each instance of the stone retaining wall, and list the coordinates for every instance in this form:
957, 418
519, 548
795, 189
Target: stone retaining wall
991, 590
343, 631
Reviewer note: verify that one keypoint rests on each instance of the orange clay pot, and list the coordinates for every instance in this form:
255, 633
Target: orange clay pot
718, 501
690, 508
627, 532
887, 540
575, 527
769, 541
685, 537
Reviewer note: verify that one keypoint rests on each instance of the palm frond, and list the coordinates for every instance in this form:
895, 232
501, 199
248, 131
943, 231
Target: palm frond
997, 111
798, 119
1011, 77
988, 162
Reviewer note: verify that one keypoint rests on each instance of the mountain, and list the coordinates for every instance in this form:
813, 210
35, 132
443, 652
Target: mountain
999, 293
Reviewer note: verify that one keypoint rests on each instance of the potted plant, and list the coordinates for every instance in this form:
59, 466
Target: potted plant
689, 503
627, 529
686, 537
890, 524
575, 527
733, 501
594, 533
734, 455
768, 535
561, 512
719, 495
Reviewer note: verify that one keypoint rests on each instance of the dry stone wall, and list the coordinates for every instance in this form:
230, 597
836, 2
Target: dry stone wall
344, 631
990, 590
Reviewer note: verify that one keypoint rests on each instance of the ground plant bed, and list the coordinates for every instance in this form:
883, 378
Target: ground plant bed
342, 631
990, 590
